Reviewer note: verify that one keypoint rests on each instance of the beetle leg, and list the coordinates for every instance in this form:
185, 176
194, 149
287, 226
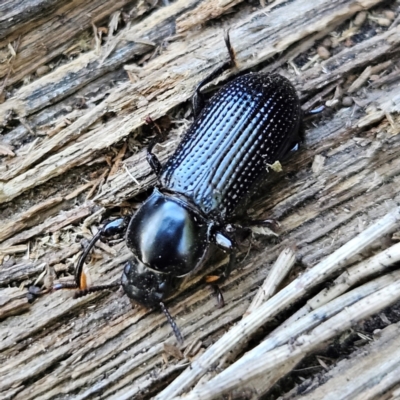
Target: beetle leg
231, 51
152, 159
226, 244
80, 277
295, 144
198, 98
219, 295
112, 228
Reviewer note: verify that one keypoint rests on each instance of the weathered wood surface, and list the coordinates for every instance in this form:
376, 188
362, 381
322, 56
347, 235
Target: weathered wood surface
369, 381
63, 132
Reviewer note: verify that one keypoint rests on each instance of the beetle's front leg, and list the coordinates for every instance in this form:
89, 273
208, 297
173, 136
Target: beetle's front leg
118, 226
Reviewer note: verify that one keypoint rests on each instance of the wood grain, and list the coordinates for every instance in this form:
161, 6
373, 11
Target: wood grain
67, 128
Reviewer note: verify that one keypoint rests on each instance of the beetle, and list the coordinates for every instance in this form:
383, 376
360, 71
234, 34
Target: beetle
250, 123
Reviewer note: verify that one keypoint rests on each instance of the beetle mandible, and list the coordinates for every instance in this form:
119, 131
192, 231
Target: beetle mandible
251, 122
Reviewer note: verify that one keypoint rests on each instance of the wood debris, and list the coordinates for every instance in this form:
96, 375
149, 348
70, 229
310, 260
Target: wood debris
275, 277
72, 125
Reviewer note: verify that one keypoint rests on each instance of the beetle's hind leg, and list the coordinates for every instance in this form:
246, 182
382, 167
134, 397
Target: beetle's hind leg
112, 228
198, 98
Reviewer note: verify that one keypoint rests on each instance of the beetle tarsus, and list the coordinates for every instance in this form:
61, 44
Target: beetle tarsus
34, 292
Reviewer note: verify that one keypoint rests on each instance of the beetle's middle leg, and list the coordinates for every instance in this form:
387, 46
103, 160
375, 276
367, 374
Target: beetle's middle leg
227, 245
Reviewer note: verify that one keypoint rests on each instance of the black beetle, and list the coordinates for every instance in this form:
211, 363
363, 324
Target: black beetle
250, 123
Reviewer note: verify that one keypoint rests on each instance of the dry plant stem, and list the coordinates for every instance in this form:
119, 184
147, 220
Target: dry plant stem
347, 279
279, 336
389, 380
373, 372
278, 272
303, 344
308, 322
258, 385
294, 291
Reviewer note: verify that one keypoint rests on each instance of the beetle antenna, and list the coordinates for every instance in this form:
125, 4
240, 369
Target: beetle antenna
99, 288
172, 322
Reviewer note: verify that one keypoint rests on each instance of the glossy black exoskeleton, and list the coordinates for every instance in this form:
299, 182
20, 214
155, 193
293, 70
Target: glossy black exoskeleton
247, 125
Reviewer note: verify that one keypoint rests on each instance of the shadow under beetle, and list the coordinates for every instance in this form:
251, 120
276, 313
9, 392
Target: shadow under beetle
250, 123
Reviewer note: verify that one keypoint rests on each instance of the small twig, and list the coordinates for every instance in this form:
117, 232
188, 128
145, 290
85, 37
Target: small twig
30, 148
347, 279
281, 336
10, 62
97, 183
360, 80
14, 249
78, 191
25, 123
93, 217
278, 272
97, 40
129, 173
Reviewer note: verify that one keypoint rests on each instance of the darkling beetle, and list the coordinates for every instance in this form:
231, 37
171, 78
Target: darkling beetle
250, 123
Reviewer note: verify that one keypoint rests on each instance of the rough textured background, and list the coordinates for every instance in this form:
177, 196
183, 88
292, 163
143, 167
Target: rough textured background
78, 79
